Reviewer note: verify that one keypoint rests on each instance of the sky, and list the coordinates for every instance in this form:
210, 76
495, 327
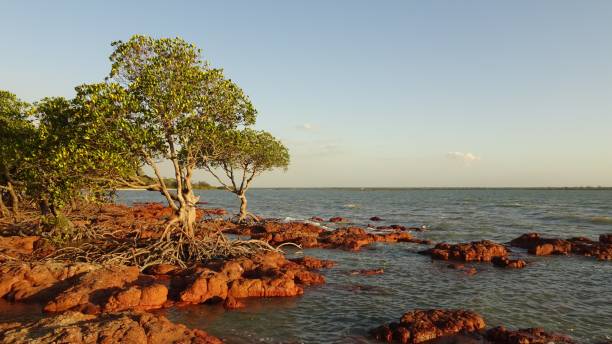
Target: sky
368, 93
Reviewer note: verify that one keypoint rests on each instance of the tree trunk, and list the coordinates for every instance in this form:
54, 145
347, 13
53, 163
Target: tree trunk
243, 207
14, 200
187, 214
3, 209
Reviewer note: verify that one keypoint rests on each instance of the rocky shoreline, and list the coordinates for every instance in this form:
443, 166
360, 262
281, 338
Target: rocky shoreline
88, 302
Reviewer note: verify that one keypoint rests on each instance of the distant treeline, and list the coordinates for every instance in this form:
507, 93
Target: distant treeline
172, 184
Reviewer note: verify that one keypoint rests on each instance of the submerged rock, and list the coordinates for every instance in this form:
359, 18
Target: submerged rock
75, 327
313, 263
368, 272
505, 262
500, 335
338, 219
421, 326
375, 218
475, 251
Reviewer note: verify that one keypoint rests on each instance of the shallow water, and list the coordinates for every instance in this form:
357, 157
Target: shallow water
572, 295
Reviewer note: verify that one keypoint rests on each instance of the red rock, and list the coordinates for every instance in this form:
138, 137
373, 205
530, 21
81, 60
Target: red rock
138, 298
95, 287
313, 263
578, 245
38, 282
276, 233
504, 262
207, 286
15, 246
116, 328
479, 251
420, 326
368, 272
161, 269
471, 271
337, 219
605, 238
375, 218
499, 335
232, 303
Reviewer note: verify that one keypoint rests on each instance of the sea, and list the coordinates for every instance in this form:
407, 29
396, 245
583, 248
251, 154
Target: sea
566, 294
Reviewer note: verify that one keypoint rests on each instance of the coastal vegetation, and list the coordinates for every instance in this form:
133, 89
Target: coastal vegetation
160, 102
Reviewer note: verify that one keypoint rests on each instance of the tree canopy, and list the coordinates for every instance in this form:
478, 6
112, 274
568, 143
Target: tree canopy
235, 157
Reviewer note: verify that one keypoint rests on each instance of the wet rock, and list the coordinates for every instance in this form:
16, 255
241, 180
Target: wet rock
317, 219
368, 272
338, 219
232, 303
375, 218
500, 335
471, 271
605, 238
94, 287
265, 275
421, 326
208, 285
476, 251
539, 246
313, 263
504, 262
75, 327
276, 233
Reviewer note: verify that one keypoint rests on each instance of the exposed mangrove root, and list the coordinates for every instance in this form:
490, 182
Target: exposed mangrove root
180, 250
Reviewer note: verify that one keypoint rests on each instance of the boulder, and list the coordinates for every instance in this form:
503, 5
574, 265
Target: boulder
129, 327
421, 326
505, 262
94, 287
475, 251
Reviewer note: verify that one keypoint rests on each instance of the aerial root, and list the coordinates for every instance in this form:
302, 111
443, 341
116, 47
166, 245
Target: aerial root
180, 250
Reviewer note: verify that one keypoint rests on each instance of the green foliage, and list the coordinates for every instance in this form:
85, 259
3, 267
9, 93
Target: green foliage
241, 155
167, 93
73, 154
17, 138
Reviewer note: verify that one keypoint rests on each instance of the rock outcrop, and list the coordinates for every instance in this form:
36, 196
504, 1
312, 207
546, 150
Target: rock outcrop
38, 282
93, 288
458, 326
539, 246
308, 235
475, 251
75, 327
267, 275
421, 326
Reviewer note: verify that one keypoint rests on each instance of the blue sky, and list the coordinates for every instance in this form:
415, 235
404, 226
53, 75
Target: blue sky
364, 93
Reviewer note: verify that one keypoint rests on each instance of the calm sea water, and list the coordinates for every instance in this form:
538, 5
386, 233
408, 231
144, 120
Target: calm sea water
572, 295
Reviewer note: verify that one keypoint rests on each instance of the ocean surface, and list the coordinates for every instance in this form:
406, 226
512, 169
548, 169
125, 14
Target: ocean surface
572, 295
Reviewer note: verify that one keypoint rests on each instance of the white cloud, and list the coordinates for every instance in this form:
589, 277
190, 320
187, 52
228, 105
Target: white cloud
307, 127
465, 157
